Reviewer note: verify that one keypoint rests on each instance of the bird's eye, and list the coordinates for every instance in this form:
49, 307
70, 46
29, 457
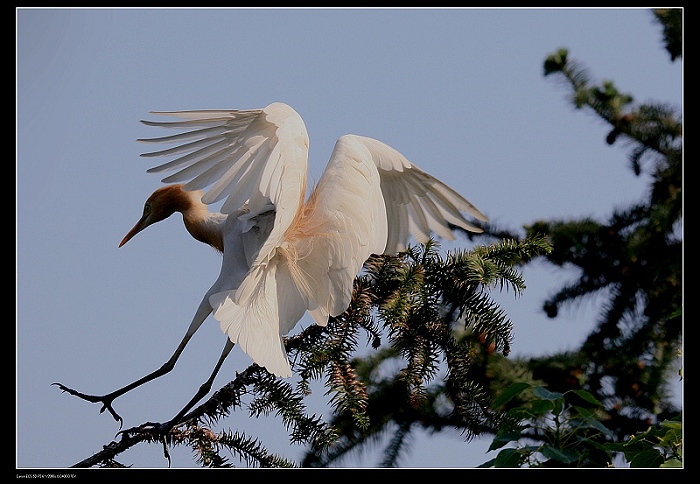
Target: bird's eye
147, 209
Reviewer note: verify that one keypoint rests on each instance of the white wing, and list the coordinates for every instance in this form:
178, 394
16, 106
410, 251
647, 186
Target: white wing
369, 200
256, 157
344, 223
417, 203
257, 161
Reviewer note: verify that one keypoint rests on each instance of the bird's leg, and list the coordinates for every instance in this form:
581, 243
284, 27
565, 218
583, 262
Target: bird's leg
106, 400
109, 398
201, 393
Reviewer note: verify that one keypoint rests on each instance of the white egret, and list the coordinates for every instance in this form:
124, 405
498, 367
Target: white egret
283, 254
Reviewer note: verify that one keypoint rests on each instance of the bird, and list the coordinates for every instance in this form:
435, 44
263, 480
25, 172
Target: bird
284, 253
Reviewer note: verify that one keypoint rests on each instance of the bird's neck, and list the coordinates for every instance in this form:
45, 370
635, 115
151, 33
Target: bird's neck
205, 229
201, 223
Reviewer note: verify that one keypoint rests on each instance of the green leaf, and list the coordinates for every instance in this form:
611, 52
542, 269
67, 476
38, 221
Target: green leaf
519, 413
672, 463
633, 448
609, 446
592, 423
643, 435
509, 393
561, 455
647, 458
558, 405
501, 440
545, 394
671, 438
541, 407
508, 458
587, 397
670, 424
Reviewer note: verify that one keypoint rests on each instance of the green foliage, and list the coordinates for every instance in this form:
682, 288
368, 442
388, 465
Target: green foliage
564, 430
634, 258
658, 446
442, 325
671, 20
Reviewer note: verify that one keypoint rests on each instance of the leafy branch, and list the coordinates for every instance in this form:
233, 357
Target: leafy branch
564, 430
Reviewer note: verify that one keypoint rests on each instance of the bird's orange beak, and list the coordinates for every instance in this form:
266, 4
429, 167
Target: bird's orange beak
140, 225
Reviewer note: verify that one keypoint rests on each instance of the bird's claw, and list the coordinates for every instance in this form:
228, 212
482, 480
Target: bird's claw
105, 400
158, 431
154, 428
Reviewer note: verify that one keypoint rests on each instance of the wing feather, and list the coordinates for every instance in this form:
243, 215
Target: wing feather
245, 155
211, 162
344, 223
236, 173
417, 203
259, 325
208, 132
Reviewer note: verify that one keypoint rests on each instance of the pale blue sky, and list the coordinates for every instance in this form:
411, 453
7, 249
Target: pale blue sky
460, 92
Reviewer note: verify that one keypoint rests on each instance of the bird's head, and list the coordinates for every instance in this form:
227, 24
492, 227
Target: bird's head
160, 205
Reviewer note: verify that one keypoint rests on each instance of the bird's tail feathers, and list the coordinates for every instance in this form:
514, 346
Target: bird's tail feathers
270, 309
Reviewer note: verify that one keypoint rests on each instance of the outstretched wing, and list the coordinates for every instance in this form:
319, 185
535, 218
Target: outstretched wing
417, 204
255, 160
344, 223
256, 157
369, 200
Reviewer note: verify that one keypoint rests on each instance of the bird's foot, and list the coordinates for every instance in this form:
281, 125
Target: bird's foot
155, 431
106, 401
154, 428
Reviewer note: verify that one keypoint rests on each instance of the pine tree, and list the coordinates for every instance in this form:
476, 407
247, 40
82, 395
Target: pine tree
635, 257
